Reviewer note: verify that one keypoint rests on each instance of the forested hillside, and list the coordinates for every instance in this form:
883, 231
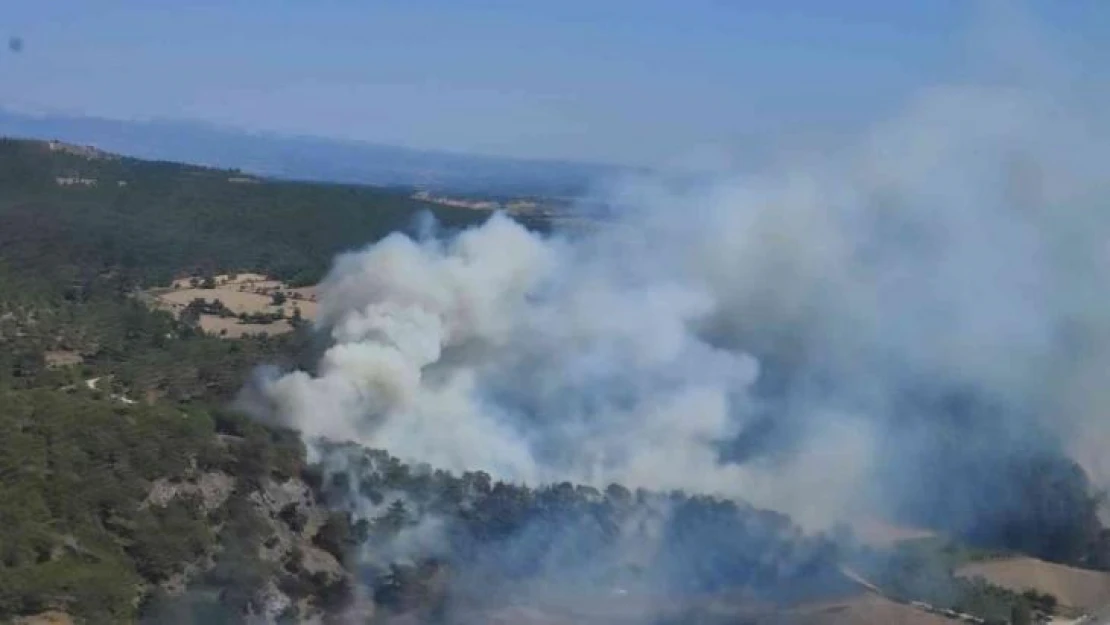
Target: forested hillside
130, 491
103, 399
77, 213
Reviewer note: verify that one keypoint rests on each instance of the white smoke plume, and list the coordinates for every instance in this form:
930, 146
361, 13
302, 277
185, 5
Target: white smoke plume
961, 244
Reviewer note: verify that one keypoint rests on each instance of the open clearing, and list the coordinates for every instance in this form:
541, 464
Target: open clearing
877, 533
854, 603
1076, 588
860, 609
866, 609
62, 358
241, 294
53, 617
232, 328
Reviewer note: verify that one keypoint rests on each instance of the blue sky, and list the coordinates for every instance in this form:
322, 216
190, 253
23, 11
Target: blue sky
628, 81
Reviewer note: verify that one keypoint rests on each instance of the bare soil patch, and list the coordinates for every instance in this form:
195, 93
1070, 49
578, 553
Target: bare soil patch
859, 609
237, 301
232, 328
241, 294
52, 617
866, 609
62, 358
881, 534
1076, 588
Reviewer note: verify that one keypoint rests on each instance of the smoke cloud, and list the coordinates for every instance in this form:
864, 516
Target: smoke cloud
762, 337
781, 320
864, 333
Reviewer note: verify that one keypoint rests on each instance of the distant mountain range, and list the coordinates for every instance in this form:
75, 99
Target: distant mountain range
313, 158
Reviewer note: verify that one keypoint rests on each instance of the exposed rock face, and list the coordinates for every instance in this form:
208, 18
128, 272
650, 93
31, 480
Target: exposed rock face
272, 603
302, 570
292, 499
295, 517
212, 488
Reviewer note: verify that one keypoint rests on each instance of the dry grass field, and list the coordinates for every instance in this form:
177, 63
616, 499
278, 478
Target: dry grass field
232, 328
859, 609
865, 609
1080, 589
53, 617
242, 294
877, 533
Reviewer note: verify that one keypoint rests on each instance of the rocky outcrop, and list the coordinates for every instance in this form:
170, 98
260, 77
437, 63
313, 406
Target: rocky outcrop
309, 575
211, 488
308, 584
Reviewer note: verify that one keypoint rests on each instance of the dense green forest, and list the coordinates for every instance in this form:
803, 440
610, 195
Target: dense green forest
149, 221
130, 492
77, 469
101, 397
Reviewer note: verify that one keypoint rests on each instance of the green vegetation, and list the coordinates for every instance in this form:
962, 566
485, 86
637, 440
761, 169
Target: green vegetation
151, 221
105, 403
924, 571
132, 350
103, 399
570, 538
76, 471
200, 306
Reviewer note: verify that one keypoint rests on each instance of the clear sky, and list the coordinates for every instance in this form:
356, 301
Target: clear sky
627, 81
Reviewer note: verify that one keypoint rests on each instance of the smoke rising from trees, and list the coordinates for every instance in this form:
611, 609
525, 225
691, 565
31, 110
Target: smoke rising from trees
914, 327
811, 323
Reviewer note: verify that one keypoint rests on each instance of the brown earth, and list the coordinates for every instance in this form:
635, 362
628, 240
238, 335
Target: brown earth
234, 299
1076, 588
229, 327
237, 301
62, 358
53, 617
881, 534
244, 293
240, 278
867, 609
859, 609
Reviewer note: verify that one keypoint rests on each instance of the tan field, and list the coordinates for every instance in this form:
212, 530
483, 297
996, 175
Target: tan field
867, 609
1076, 588
231, 328
877, 533
306, 293
225, 279
860, 609
53, 617
235, 300
247, 293
238, 301
62, 358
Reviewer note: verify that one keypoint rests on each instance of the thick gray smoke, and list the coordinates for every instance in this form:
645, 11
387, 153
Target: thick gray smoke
763, 336
961, 245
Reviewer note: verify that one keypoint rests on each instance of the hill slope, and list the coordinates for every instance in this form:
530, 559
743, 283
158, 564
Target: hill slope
84, 211
130, 492
313, 158
1080, 589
